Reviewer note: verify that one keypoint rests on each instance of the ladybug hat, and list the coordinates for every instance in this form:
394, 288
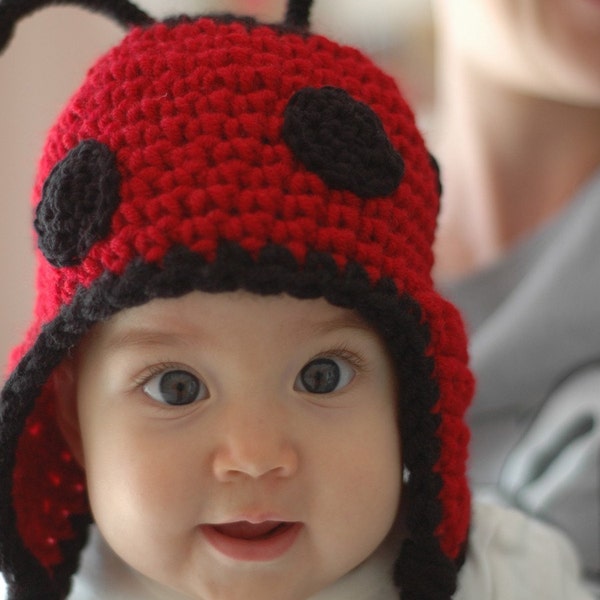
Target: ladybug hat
217, 153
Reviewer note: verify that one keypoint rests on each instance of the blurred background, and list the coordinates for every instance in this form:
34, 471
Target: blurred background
52, 49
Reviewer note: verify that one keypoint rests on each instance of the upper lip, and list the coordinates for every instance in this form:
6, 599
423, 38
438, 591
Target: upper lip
247, 525
253, 517
249, 521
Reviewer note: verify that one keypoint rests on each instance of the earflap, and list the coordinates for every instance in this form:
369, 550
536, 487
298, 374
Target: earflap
122, 11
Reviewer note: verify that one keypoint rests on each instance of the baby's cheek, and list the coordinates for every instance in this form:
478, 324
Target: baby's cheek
365, 485
149, 478
113, 465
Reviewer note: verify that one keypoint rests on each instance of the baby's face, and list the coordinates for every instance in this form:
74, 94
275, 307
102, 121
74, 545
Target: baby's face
239, 446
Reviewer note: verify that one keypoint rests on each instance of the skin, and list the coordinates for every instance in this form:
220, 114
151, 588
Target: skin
517, 127
256, 444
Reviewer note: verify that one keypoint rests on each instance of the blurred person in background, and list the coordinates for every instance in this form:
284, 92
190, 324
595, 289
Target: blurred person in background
517, 133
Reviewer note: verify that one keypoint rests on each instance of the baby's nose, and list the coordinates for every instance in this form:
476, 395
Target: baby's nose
255, 444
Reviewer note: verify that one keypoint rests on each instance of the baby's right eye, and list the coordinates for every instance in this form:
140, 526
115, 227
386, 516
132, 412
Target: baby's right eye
175, 387
324, 375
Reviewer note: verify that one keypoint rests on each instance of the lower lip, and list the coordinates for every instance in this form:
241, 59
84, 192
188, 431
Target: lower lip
261, 549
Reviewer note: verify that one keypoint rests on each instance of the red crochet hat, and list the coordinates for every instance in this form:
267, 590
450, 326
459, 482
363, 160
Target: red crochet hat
217, 153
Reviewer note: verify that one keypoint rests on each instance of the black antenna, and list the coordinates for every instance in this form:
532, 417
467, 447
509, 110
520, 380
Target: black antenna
298, 13
122, 11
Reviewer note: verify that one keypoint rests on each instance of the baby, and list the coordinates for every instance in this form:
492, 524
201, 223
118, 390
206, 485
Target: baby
239, 382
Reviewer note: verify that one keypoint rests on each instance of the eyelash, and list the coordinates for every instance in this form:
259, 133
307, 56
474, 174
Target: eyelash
354, 358
141, 380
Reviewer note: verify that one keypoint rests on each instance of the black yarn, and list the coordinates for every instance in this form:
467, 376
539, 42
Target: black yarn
424, 573
225, 18
343, 141
436, 168
397, 318
122, 11
249, 23
78, 200
298, 13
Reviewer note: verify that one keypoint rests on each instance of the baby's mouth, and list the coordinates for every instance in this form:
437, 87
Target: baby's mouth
246, 541
244, 530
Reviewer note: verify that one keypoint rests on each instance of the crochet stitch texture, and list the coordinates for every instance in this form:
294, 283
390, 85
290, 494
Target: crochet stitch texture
218, 154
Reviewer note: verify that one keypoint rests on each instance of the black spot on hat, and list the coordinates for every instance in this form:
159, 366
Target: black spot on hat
343, 141
79, 198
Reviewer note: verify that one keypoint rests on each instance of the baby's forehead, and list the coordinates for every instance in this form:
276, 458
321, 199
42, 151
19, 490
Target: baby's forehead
211, 316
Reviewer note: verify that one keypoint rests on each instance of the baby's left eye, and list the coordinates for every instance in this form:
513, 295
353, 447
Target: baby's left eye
175, 387
324, 375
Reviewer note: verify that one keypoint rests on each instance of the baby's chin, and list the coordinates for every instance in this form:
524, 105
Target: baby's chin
241, 581
248, 582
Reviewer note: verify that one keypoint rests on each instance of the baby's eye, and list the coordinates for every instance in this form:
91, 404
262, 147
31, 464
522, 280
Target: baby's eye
324, 375
175, 387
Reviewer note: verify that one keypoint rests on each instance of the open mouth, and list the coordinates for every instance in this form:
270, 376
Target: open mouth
253, 531
247, 541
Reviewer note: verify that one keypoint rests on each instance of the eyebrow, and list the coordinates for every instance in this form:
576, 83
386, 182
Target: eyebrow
144, 337
350, 320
